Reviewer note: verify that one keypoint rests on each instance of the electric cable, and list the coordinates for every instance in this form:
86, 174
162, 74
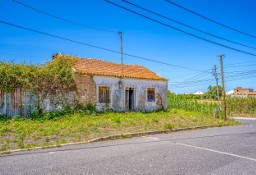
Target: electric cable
196, 29
214, 21
94, 46
180, 30
60, 18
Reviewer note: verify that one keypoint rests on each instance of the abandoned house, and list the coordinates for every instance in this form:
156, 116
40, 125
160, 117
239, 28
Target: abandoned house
119, 87
105, 84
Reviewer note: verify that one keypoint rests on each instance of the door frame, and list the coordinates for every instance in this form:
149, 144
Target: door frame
130, 98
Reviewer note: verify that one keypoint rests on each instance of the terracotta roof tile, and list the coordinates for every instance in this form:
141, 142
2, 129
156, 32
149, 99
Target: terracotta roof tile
100, 67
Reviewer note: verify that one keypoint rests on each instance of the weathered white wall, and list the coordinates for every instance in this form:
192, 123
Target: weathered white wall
117, 93
22, 102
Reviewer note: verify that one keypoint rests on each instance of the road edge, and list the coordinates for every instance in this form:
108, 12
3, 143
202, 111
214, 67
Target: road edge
110, 137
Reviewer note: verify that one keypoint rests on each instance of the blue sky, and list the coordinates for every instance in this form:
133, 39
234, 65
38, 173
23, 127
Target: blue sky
141, 37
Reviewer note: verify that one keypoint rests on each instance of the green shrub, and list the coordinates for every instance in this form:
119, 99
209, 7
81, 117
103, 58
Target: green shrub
116, 119
168, 126
47, 139
3, 117
87, 108
46, 78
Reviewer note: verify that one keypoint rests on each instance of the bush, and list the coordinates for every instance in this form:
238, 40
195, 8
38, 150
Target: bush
87, 108
46, 78
3, 117
168, 126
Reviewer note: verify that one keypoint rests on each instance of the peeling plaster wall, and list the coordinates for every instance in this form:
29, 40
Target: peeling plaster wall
22, 102
57, 101
117, 93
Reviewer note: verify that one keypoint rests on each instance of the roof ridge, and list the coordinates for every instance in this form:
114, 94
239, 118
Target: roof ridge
112, 62
101, 67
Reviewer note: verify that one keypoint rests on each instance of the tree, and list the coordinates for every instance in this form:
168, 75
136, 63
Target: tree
212, 92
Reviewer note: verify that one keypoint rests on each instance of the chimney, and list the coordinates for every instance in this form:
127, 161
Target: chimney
56, 55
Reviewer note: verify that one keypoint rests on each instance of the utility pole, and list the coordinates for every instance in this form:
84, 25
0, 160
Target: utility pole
223, 89
217, 84
121, 50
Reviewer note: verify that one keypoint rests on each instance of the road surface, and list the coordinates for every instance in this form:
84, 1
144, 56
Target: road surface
224, 150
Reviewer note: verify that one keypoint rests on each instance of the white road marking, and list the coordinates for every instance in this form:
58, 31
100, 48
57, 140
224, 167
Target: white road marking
153, 138
243, 118
215, 151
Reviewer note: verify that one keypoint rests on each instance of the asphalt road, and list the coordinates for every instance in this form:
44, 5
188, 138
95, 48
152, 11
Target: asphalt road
224, 150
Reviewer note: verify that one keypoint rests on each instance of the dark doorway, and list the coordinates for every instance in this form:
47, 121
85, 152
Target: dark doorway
129, 99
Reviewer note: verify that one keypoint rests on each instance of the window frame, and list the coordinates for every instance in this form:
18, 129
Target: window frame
151, 97
104, 94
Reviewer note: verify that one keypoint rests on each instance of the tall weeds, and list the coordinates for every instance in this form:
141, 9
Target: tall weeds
178, 102
235, 106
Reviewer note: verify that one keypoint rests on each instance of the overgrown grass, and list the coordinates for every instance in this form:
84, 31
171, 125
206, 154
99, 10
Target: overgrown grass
236, 106
179, 102
241, 106
28, 133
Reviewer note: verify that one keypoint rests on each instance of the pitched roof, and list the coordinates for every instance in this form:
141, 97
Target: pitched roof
99, 67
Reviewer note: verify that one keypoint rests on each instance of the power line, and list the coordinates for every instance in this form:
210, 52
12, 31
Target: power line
209, 82
248, 65
196, 29
198, 37
248, 77
193, 84
239, 72
237, 76
216, 22
60, 18
234, 74
196, 76
241, 64
190, 82
204, 81
97, 47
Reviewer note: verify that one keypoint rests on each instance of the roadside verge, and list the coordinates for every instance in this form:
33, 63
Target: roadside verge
110, 137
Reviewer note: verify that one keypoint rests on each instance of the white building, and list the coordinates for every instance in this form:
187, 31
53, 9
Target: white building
231, 92
199, 93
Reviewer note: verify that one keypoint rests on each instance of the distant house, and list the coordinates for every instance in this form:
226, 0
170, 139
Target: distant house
244, 92
252, 94
231, 92
119, 87
199, 93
